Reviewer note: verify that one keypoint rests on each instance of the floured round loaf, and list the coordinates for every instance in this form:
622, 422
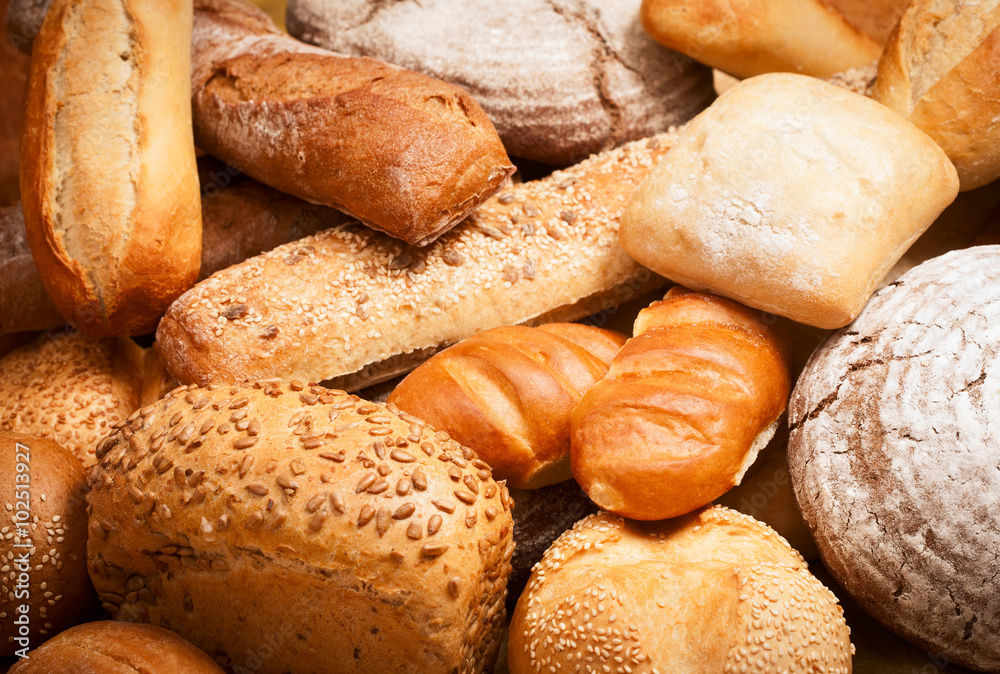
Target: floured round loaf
894, 455
712, 592
331, 533
559, 80
789, 195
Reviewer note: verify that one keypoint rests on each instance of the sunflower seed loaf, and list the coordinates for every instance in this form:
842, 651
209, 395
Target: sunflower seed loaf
330, 529
358, 307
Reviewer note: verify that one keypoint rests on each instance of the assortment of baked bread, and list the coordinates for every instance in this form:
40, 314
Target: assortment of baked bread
392, 407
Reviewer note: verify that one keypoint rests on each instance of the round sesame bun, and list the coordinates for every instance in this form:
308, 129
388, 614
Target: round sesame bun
299, 525
714, 591
117, 648
45, 582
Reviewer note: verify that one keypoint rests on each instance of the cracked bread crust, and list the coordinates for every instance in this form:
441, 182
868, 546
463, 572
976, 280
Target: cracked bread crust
894, 456
560, 79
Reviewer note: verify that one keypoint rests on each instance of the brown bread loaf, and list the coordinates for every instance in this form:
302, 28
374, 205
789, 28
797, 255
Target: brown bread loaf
358, 307
508, 393
25, 304
13, 75
713, 592
44, 588
72, 388
941, 71
402, 152
109, 187
686, 406
117, 648
335, 530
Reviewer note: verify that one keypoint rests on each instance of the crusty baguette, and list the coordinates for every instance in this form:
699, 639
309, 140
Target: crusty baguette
684, 409
109, 186
402, 152
508, 394
346, 299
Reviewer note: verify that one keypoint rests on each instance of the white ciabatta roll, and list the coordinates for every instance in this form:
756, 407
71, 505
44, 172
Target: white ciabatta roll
72, 388
559, 80
44, 587
342, 534
789, 195
358, 307
894, 454
750, 38
714, 591
117, 648
108, 177
941, 70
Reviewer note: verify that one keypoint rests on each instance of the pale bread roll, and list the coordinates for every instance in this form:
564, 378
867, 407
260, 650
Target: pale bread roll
941, 70
789, 195
761, 36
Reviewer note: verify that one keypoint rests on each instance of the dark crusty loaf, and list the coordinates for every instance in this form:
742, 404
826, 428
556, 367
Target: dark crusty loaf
402, 152
24, 302
13, 74
560, 80
357, 305
894, 454
346, 535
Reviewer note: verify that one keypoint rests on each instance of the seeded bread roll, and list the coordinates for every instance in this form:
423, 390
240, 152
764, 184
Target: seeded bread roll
752, 38
117, 648
715, 591
109, 186
686, 406
941, 71
790, 195
72, 388
44, 588
899, 412
559, 80
356, 307
508, 394
402, 152
339, 531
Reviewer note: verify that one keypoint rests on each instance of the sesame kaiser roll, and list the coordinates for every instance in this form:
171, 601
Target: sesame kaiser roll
508, 394
44, 587
109, 647
715, 591
279, 527
684, 409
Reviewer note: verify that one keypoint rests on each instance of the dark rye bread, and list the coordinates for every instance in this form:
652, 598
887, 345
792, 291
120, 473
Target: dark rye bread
560, 80
13, 74
402, 152
24, 303
360, 307
894, 456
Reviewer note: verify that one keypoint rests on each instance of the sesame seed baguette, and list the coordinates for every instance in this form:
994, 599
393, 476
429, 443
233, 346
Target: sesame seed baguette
337, 302
337, 530
403, 152
715, 591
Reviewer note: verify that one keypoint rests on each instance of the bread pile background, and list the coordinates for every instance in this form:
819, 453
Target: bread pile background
633, 336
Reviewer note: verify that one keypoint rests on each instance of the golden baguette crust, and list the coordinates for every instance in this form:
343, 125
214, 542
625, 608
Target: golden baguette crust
402, 152
684, 409
109, 647
941, 71
333, 303
59, 590
762, 36
110, 187
715, 591
508, 393
342, 529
